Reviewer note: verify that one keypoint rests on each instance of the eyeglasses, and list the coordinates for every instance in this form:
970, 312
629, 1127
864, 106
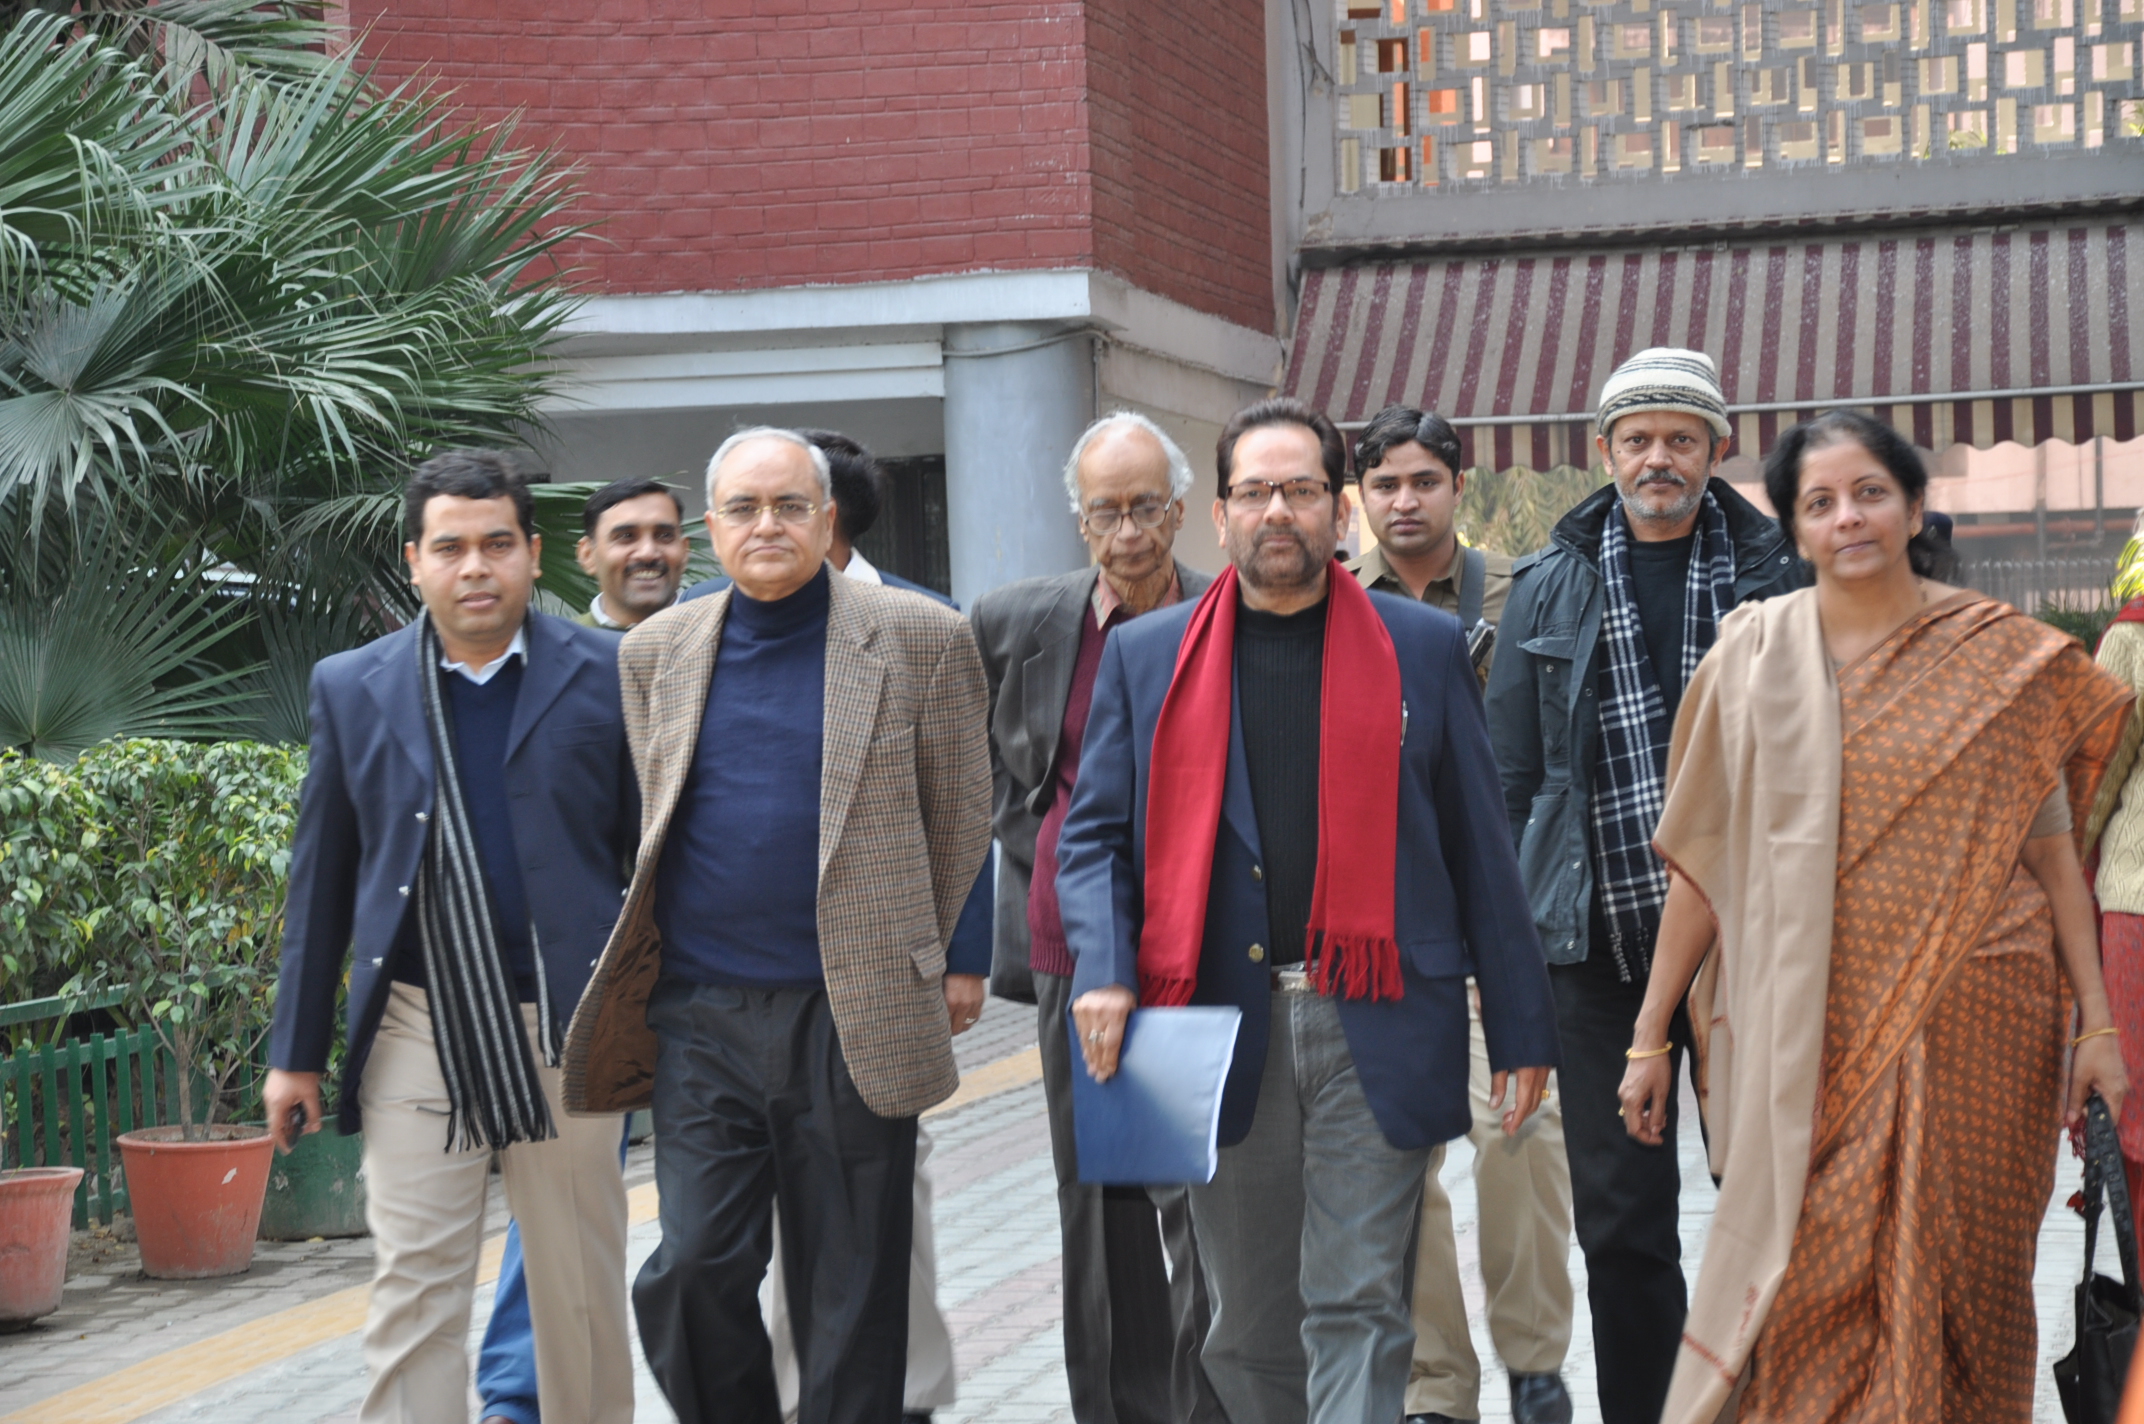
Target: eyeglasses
1147, 514
1248, 495
744, 513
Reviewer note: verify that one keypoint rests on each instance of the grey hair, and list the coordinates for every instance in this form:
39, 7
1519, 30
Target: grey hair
1181, 474
819, 466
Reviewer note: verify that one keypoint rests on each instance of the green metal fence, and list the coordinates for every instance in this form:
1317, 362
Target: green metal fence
63, 1104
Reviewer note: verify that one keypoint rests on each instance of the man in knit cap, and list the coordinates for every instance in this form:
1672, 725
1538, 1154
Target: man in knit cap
1601, 633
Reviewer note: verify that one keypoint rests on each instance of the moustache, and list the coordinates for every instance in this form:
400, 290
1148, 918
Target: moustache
1663, 477
647, 566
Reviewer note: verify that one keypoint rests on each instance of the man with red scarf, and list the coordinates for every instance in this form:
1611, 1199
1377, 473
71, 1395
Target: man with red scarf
1287, 803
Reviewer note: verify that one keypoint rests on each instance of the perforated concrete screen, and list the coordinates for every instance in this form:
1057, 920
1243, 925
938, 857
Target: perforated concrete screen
1445, 95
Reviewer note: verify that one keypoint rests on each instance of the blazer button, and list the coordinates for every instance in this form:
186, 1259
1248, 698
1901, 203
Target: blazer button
1258, 954
377, 963
403, 889
424, 815
1257, 873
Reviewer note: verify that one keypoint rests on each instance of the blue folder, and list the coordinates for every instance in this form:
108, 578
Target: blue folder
1158, 1120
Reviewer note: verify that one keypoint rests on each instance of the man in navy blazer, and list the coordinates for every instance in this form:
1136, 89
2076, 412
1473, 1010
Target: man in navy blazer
466, 906
1332, 1103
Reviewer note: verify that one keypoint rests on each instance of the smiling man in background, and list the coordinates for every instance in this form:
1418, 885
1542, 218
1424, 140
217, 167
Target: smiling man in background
633, 544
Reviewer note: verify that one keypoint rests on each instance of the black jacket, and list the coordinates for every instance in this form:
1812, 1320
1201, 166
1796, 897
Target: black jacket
1544, 715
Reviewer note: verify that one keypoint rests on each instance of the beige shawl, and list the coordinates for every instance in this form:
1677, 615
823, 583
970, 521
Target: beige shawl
1752, 820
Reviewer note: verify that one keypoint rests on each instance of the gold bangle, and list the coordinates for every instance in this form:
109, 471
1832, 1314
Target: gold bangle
2095, 1033
1635, 1054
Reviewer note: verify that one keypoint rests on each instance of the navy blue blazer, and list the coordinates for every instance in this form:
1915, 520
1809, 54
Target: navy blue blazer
968, 951
362, 821
1459, 907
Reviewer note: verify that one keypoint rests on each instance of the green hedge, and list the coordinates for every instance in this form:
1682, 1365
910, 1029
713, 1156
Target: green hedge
157, 868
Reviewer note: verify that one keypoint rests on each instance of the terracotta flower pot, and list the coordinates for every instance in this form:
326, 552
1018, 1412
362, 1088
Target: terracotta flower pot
196, 1205
36, 1214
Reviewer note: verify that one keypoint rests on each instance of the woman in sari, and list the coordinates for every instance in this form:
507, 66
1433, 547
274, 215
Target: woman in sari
1870, 797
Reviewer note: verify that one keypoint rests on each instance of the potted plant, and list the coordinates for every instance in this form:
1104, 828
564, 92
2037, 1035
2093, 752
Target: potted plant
192, 851
36, 1212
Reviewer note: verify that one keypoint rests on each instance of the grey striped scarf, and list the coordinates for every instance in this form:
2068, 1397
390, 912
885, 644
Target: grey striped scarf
1630, 774
494, 1096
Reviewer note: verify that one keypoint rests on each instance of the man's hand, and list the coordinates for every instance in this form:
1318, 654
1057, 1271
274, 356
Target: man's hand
1526, 1088
1099, 1015
963, 1001
285, 1094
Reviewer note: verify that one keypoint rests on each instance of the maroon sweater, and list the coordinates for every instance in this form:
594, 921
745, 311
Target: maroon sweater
1048, 953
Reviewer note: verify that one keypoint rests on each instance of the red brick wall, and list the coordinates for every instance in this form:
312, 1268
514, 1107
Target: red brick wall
753, 143
1176, 90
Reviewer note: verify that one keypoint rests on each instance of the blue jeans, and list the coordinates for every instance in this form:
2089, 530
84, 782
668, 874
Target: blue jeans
1305, 1234
506, 1365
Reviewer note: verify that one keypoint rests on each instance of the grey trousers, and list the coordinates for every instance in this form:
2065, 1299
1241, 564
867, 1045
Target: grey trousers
1305, 1234
1134, 1298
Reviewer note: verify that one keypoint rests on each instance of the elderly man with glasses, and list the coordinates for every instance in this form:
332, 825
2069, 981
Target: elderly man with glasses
1127, 1251
812, 757
1286, 803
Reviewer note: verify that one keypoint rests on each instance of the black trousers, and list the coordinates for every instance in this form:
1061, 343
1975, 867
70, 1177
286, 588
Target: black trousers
1134, 1298
754, 1105
1625, 1196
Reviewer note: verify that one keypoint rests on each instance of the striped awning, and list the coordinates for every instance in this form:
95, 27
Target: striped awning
1976, 337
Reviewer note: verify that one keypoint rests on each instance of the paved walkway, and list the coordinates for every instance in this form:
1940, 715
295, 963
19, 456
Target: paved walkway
279, 1343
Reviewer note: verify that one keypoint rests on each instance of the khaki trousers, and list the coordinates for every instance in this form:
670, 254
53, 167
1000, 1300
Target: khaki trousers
1522, 1187
425, 1205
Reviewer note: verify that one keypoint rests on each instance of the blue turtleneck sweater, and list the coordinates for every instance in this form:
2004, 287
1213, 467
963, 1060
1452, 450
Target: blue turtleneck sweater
737, 896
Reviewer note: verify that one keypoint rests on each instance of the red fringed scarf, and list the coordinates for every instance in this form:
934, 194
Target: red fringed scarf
1351, 947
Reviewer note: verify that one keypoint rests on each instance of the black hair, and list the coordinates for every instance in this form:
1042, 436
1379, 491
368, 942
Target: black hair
466, 474
617, 492
1283, 410
859, 483
1398, 425
1929, 555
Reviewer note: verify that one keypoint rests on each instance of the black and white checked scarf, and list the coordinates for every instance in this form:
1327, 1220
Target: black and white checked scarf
494, 1096
1630, 776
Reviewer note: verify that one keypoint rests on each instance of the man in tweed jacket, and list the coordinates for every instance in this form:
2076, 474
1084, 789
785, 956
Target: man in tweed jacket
816, 804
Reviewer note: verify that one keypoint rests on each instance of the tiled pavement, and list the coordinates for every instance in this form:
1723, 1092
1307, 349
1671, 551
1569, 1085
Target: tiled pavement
998, 1284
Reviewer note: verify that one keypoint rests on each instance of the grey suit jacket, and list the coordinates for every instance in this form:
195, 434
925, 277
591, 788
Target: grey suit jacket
1028, 633
903, 794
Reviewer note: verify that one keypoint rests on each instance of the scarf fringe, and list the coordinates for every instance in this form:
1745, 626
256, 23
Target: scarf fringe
1358, 967
1159, 992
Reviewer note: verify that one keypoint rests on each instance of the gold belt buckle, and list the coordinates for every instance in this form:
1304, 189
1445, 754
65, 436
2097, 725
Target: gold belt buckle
1293, 981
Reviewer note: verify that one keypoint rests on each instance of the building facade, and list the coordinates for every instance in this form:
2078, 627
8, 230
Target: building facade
1923, 209
956, 231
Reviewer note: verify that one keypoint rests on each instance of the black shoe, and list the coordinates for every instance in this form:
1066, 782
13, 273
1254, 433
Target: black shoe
915, 1416
1539, 1399
1436, 1419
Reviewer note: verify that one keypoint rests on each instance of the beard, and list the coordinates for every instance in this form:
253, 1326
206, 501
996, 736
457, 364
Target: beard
1684, 506
1278, 559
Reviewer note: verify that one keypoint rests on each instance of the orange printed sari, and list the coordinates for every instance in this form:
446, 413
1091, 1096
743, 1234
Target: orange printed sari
1932, 1092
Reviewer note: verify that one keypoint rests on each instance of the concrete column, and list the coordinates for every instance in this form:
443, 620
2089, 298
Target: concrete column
1017, 395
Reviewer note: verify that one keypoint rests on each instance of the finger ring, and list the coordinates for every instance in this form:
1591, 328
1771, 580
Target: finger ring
1094, 1035
965, 1022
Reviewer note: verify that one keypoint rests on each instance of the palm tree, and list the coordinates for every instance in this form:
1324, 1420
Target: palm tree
228, 325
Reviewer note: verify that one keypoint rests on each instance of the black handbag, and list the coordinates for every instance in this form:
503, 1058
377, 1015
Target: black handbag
2091, 1376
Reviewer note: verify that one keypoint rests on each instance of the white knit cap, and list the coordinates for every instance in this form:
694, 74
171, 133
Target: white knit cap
1665, 378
